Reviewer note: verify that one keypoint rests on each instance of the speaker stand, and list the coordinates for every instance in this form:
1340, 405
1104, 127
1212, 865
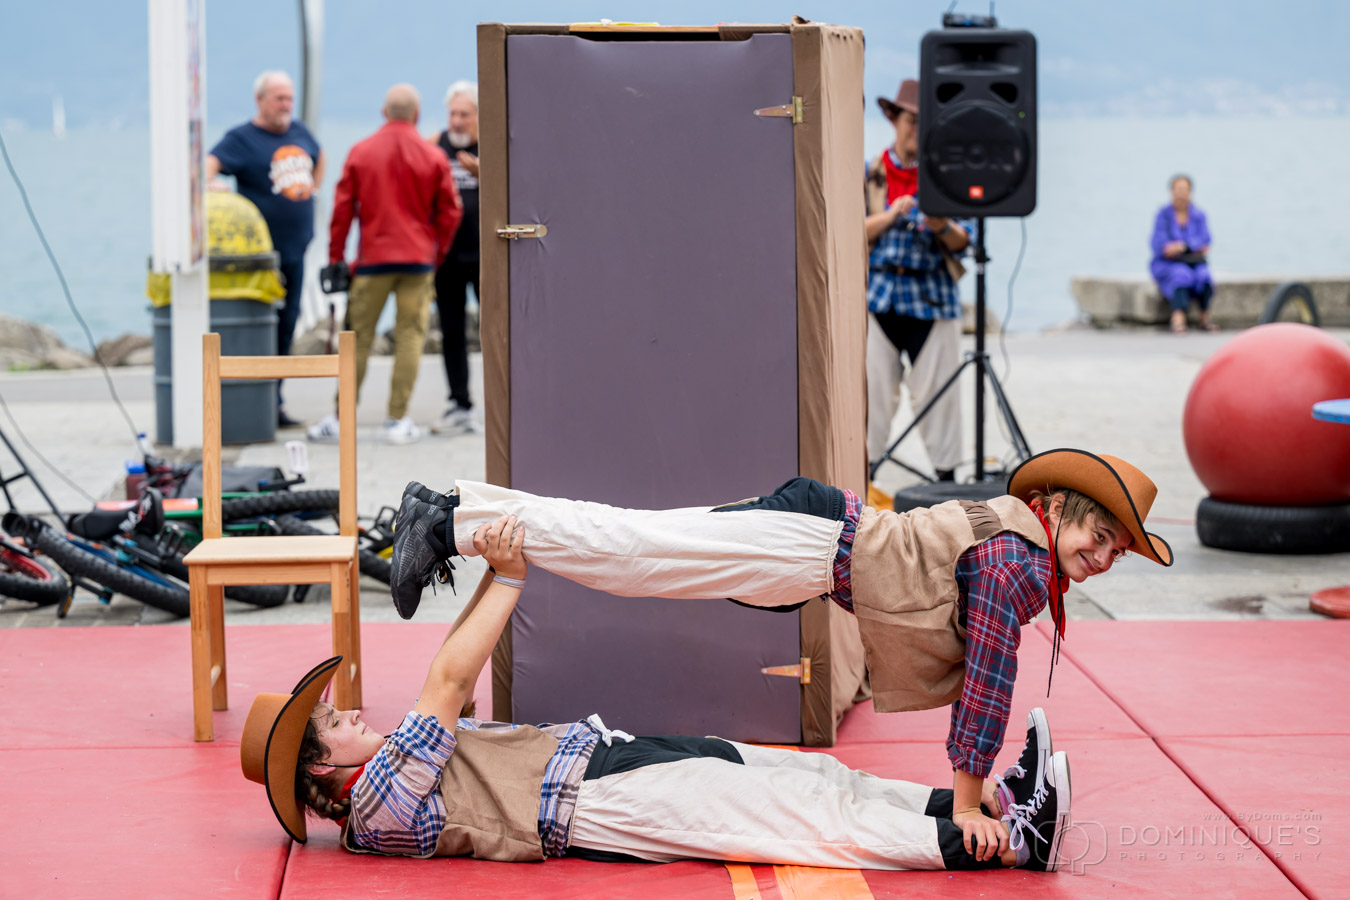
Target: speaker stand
983, 369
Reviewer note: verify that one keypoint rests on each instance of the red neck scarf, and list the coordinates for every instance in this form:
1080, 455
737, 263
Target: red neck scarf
1060, 584
900, 182
347, 790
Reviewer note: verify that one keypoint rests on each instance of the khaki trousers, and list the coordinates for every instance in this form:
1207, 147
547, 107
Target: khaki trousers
783, 807
762, 557
413, 293
941, 354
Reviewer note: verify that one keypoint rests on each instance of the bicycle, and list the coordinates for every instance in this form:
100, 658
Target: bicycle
24, 577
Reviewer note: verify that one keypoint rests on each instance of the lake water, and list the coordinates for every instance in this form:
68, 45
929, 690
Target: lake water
1273, 189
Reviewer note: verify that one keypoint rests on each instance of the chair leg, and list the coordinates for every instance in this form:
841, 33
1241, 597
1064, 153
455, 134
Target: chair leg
340, 581
201, 655
219, 689
354, 641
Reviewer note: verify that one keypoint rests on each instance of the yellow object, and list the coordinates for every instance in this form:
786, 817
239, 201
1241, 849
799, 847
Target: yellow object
878, 499
242, 262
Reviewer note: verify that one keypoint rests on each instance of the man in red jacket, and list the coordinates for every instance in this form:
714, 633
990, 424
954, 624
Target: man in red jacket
399, 188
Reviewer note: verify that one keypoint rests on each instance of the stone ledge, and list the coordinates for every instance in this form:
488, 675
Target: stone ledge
1238, 301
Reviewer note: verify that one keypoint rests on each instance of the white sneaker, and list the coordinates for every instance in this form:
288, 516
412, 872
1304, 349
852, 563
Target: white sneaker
401, 431
325, 431
457, 420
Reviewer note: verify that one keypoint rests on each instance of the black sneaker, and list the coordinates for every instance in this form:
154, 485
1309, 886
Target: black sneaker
285, 421
1020, 782
423, 543
1036, 829
427, 495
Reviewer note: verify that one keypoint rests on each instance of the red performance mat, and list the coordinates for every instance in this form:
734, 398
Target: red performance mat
105, 794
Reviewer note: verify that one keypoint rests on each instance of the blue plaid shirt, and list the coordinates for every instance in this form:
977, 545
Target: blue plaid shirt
396, 803
930, 294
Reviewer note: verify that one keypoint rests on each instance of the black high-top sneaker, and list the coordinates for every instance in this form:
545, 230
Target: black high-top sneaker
427, 495
1020, 782
1037, 828
424, 540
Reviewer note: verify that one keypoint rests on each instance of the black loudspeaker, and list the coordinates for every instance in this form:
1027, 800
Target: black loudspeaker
977, 122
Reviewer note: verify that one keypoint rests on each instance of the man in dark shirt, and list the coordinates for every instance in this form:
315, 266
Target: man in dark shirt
460, 269
278, 165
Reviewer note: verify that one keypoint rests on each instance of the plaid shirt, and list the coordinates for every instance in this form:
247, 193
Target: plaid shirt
932, 294
397, 806
843, 582
1002, 585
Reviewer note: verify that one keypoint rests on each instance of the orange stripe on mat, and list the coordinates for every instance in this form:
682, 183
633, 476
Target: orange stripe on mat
810, 883
753, 882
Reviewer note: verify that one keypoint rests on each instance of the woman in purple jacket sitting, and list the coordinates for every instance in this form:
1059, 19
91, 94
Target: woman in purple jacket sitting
1180, 247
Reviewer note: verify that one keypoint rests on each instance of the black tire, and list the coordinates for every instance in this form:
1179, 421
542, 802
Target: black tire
278, 503
80, 563
372, 564
1273, 529
933, 493
1291, 302
263, 595
25, 578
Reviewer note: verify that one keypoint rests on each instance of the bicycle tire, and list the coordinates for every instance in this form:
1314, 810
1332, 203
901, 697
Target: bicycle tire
278, 503
80, 563
372, 564
261, 595
1291, 302
25, 578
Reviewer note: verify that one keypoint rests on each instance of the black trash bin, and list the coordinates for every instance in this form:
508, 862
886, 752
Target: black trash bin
244, 283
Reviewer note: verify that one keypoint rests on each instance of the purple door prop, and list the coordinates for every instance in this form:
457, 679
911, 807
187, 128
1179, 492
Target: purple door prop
653, 358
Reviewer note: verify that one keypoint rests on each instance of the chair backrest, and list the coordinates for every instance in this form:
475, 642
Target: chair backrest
217, 368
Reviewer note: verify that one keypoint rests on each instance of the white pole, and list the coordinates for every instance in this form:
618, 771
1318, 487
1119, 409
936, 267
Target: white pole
178, 199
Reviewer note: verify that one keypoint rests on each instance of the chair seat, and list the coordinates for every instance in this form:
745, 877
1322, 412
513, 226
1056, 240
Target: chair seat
279, 549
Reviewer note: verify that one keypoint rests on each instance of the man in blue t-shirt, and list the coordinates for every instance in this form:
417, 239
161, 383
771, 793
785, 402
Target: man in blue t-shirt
278, 165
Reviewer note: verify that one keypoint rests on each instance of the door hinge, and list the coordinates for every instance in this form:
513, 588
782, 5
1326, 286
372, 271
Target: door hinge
791, 111
801, 672
512, 232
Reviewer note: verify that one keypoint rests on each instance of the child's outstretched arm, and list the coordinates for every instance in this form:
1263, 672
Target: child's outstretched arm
455, 668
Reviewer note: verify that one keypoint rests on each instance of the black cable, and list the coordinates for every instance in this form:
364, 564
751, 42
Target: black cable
38, 453
32, 217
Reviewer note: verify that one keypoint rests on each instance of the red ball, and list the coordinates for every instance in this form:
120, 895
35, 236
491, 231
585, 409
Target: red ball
1248, 424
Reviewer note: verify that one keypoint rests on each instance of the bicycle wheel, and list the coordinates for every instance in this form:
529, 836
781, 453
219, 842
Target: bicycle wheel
25, 578
263, 595
278, 503
372, 564
81, 563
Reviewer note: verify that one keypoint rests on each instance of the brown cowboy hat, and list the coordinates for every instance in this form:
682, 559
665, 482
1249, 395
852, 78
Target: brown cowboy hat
270, 747
905, 98
1127, 492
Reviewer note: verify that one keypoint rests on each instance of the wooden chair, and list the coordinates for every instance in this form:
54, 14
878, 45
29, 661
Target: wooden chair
218, 561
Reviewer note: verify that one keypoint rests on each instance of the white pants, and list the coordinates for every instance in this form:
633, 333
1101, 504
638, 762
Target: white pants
760, 557
939, 358
783, 807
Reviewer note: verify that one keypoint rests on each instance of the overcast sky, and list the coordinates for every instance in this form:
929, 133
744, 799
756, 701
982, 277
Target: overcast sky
1144, 57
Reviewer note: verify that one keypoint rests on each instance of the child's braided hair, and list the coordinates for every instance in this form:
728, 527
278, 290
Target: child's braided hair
313, 791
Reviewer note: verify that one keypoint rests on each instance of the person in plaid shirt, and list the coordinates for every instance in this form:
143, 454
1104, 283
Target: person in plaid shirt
604, 795
912, 300
946, 590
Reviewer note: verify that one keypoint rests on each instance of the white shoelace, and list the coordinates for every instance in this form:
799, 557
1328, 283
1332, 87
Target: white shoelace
1018, 816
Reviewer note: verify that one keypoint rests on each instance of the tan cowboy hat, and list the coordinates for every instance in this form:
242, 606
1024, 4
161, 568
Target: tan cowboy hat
1111, 481
905, 98
270, 747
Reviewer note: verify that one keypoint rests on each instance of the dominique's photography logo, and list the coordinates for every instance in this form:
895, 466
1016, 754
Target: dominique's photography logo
1215, 839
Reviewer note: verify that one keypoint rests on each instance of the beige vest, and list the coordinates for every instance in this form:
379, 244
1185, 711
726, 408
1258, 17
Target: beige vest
906, 600
491, 790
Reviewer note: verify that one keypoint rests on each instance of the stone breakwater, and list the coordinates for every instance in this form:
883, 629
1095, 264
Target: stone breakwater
1238, 301
26, 346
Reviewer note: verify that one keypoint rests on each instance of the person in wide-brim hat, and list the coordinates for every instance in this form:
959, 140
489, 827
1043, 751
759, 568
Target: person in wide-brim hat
940, 594
906, 98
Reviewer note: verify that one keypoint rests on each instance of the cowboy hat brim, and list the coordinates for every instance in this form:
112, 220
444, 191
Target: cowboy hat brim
270, 746
891, 109
1112, 482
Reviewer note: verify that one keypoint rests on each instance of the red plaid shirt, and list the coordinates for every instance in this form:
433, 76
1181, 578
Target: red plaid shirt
1002, 585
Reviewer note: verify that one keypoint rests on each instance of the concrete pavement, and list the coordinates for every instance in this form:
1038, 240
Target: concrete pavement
1119, 392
